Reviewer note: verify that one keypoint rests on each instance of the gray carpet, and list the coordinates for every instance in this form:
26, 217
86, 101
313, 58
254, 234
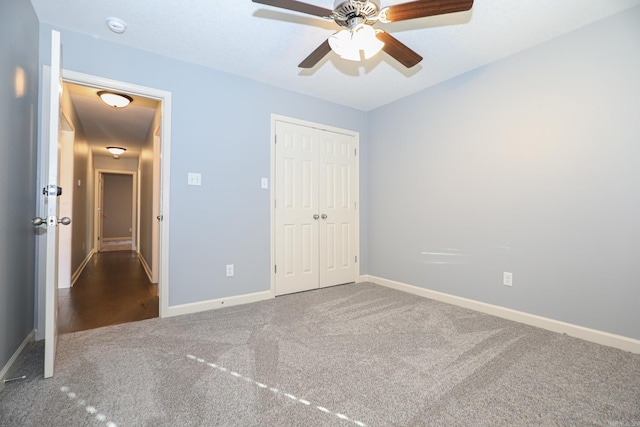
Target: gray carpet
350, 355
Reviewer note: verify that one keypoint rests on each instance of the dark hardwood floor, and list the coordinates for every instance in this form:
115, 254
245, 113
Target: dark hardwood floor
113, 288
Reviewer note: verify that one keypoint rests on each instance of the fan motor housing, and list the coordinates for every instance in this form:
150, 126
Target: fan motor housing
361, 11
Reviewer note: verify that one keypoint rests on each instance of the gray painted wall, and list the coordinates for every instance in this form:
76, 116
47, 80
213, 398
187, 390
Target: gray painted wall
220, 128
108, 163
18, 153
529, 165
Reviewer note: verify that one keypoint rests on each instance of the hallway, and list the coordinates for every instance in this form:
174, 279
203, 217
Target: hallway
112, 289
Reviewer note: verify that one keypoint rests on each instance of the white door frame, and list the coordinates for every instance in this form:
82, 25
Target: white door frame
65, 201
99, 201
275, 118
165, 151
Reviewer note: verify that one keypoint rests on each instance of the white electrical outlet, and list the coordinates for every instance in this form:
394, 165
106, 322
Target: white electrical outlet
507, 279
264, 183
194, 178
229, 270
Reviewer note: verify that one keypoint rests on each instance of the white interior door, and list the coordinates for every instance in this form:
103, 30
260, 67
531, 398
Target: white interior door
296, 224
315, 188
337, 206
51, 207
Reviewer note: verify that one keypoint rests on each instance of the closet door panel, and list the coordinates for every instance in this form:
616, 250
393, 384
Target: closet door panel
337, 195
296, 203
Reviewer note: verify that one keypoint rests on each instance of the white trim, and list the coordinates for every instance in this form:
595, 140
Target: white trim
80, 269
66, 138
593, 335
165, 155
145, 266
364, 278
196, 307
321, 126
7, 368
356, 135
165, 185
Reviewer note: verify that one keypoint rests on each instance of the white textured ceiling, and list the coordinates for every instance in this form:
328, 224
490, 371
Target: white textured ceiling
267, 44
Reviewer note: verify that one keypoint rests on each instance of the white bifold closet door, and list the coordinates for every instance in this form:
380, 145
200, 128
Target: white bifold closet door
315, 208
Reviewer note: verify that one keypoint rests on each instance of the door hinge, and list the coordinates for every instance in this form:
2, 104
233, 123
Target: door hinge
356, 258
355, 205
275, 269
355, 151
275, 139
275, 203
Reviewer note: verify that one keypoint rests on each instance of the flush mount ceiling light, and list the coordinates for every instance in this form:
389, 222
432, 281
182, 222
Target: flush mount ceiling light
113, 99
116, 25
116, 151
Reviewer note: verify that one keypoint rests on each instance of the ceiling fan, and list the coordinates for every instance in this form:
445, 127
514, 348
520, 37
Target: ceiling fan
359, 38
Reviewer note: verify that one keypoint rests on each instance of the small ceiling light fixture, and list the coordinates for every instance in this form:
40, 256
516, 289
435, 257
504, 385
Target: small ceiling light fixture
116, 100
349, 42
116, 151
116, 25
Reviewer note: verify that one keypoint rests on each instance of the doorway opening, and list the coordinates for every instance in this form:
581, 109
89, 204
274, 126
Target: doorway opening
116, 256
116, 217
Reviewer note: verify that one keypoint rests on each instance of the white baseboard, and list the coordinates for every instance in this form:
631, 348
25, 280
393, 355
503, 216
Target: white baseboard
197, 307
364, 278
7, 368
80, 269
145, 266
593, 335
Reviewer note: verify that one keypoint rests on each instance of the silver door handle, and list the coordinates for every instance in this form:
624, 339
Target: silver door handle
159, 217
43, 221
324, 216
316, 216
38, 221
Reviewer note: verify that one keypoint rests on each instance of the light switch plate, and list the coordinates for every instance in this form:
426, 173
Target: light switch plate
264, 183
507, 278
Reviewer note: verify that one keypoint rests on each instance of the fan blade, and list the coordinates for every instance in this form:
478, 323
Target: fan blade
422, 8
298, 7
398, 50
315, 56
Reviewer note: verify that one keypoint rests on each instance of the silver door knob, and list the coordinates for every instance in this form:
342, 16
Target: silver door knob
324, 216
316, 216
43, 221
159, 217
38, 221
